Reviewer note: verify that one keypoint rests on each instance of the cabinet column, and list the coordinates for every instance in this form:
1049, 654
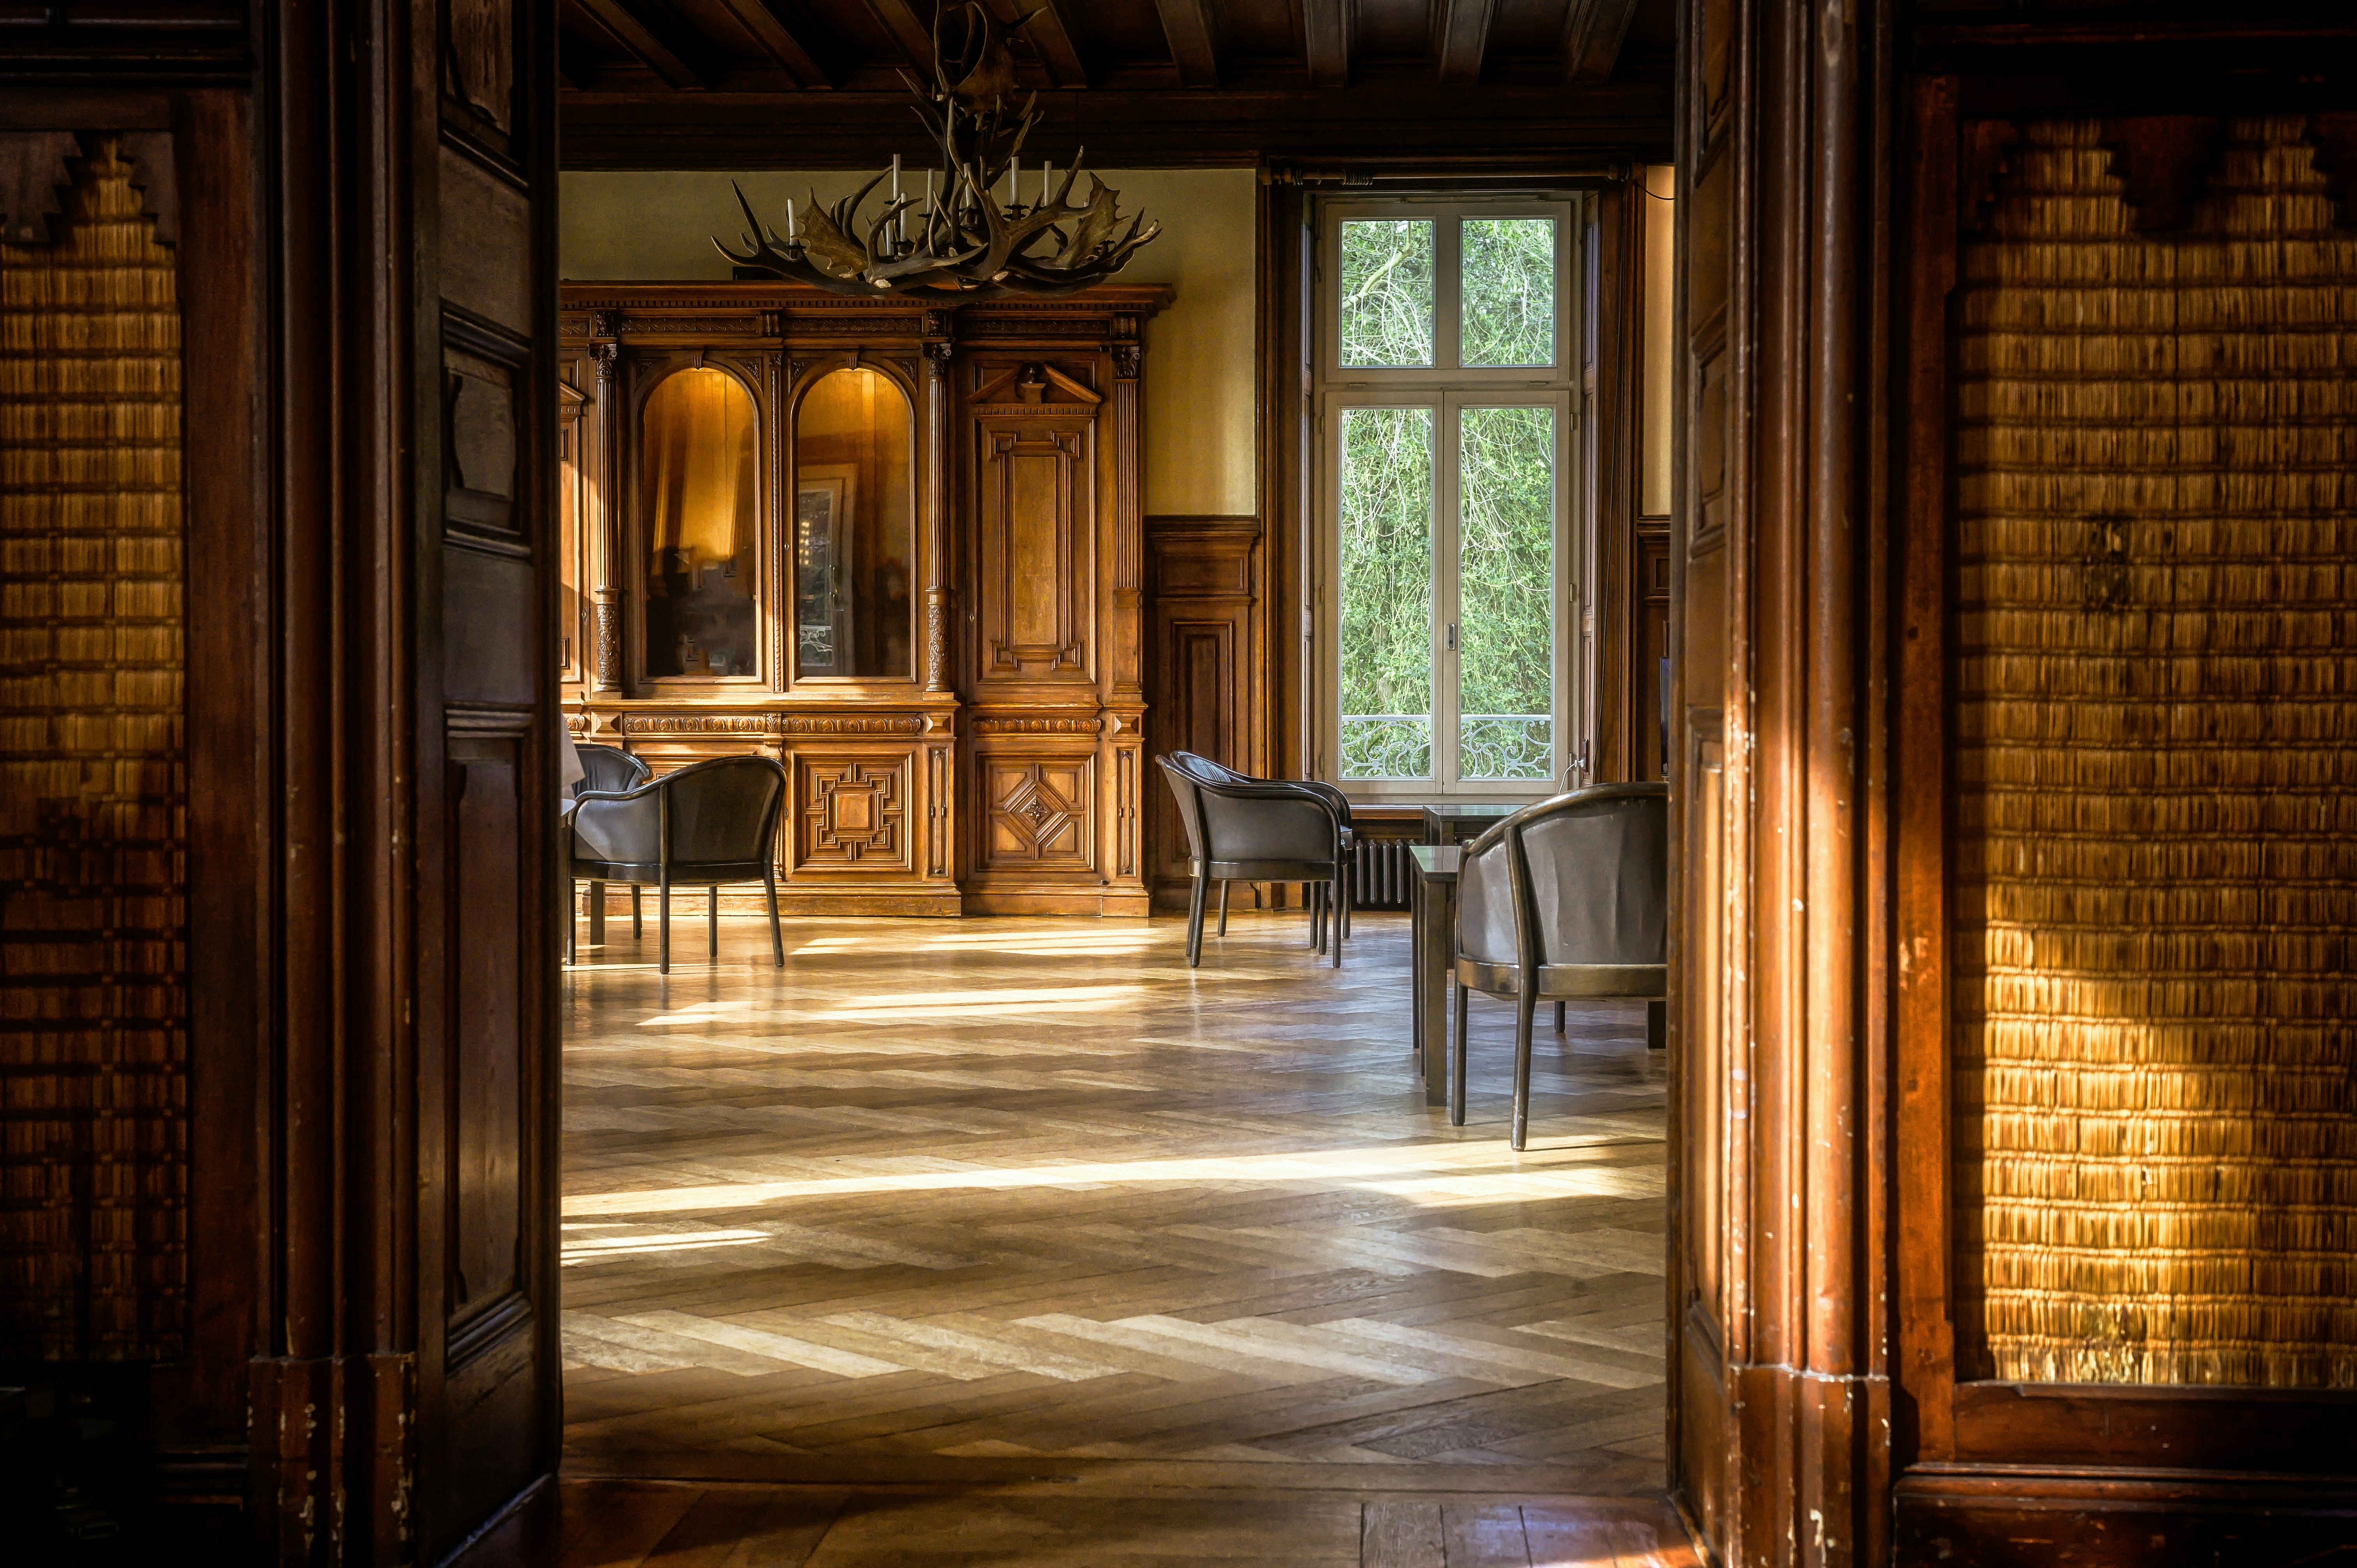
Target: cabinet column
940, 601
605, 552
1121, 762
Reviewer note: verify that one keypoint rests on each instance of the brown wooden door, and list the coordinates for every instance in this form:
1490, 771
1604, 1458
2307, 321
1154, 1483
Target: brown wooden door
488, 1392
1704, 628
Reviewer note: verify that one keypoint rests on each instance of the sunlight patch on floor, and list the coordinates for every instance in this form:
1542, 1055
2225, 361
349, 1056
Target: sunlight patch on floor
1481, 1170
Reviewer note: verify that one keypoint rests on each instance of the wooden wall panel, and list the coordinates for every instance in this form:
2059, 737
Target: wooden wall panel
2154, 730
94, 1086
1205, 670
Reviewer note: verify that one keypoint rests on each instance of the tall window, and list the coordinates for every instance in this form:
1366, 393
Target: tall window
1447, 349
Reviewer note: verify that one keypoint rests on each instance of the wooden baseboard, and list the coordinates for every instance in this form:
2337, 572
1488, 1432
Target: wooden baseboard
1125, 903
2021, 1517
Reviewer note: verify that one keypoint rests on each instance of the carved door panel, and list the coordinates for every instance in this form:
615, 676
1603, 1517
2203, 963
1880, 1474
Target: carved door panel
1035, 495
1704, 633
487, 1391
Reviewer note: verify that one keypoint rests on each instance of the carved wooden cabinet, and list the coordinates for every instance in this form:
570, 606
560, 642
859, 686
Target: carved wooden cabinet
895, 546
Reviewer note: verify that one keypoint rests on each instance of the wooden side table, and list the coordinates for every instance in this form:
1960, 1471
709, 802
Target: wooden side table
1458, 820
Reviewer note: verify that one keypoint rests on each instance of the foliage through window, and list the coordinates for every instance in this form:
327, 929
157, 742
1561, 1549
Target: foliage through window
1445, 415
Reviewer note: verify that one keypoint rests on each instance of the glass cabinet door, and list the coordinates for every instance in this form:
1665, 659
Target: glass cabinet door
854, 516
698, 483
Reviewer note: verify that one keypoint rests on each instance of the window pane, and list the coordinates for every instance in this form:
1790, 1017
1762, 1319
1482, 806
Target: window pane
1387, 645
1386, 309
1509, 290
1505, 565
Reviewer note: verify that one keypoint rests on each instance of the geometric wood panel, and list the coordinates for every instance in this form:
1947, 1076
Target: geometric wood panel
94, 1061
852, 812
2155, 724
1039, 814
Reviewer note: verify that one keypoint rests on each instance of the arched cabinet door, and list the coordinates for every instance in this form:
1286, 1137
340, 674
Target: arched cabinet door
852, 552
694, 524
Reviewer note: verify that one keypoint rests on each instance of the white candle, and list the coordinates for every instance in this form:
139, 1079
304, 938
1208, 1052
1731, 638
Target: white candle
896, 177
790, 220
1014, 182
1047, 176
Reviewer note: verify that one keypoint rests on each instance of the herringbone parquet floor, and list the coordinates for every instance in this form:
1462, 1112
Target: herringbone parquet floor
1015, 1201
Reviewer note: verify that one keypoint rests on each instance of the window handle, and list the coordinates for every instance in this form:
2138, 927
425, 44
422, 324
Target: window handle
1452, 637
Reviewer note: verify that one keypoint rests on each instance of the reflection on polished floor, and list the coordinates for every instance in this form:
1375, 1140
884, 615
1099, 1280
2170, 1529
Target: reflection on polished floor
1004, 1203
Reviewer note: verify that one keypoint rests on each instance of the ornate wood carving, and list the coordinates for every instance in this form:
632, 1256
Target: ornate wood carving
1983, 147
1028, 580
852, 811
1039, 813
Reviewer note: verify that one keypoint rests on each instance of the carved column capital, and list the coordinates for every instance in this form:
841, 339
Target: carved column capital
938, 355
603, 356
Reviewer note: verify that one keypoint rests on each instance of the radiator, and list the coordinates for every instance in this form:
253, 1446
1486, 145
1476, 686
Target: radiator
1383, 873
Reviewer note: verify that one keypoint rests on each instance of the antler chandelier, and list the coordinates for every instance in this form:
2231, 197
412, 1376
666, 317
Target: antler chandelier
965, 241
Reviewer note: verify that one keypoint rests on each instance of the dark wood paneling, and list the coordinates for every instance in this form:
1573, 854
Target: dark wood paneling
1204, 633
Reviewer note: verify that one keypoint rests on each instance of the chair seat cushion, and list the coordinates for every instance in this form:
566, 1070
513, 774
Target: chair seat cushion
1568, 982
1267, 870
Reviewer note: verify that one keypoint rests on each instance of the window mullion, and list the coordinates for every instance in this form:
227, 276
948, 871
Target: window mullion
1447, 696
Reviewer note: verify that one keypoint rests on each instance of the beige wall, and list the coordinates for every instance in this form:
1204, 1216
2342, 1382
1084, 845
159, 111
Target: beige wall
1200, 388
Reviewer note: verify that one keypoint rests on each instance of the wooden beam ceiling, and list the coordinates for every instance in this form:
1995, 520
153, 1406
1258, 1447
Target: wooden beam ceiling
911, 32
769, 30
658, 41
822, 83
1592, 34
1326, 27
1052, 33
1194, 40
1464, 36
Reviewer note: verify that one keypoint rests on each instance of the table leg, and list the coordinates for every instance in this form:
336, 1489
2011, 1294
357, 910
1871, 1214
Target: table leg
597, 913
1437, 936
1416, 971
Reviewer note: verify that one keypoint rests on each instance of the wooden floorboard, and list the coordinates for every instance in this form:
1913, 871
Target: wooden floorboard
979, 1205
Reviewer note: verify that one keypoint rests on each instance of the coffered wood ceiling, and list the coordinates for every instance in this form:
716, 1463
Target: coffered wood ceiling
817, 83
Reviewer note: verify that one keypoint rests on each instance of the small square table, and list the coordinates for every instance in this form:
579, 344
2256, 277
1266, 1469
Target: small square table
1455, 821
1432, 949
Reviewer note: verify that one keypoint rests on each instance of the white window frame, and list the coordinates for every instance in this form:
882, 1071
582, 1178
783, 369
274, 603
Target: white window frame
1447, 389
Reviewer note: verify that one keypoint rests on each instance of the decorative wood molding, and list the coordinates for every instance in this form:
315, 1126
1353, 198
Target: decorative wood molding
850, 724
982, 725
697, 723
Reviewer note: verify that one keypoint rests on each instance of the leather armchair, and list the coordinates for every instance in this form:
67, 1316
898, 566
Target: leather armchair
605, 768
1566, 898
707, 824
1260, 830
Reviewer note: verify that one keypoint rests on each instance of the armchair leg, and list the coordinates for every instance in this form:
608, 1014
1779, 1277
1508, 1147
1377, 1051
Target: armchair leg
777, 937
1310, 902
1341, 914
1223, 907
1456, 1058
663, 924
1349, 893
712, 921
1524, 1006
1559, 1017
1195, 921
638, 926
